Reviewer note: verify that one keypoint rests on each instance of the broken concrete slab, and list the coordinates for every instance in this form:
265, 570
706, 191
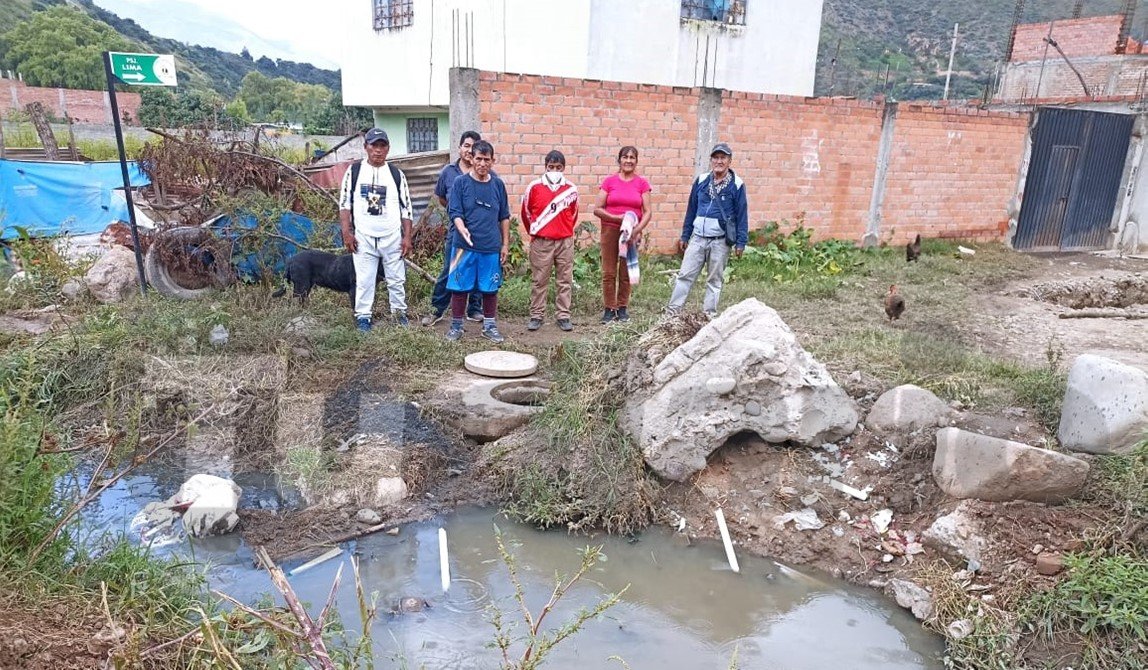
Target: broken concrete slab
688, 408
486, 409
114, 276
957, 535
1105, 408
912, 597
968, 465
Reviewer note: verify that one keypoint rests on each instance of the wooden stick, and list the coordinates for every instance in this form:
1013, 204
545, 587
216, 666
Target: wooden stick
312, 632
419, 271
1103, 314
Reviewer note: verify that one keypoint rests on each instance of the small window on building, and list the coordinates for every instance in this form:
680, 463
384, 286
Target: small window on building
422, 135
721, 11
393, 14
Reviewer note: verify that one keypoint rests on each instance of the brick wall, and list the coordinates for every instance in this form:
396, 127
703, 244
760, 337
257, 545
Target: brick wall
1093, 36
952, 170
82, 106
1106, 76
527, 116
815, 156
952, 173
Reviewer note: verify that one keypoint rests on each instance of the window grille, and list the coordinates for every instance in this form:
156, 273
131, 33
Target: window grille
422, 135
731, 12
393, 14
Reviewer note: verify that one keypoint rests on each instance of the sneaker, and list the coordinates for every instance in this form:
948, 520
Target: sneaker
432, 318
474, 316
534, 324
363, 323
609, 315
564, 324
493, 335
401, 320
623, 315
454, 334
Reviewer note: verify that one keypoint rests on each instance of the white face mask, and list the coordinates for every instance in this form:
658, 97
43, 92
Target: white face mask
554, 177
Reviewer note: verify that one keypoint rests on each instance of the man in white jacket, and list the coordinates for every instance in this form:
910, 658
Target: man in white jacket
375, 216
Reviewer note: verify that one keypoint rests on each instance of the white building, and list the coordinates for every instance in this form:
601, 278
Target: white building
399, 52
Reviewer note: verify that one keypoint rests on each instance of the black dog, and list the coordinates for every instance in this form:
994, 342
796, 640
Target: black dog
308, 269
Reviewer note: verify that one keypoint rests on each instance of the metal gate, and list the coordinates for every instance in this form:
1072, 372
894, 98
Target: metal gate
1073, 179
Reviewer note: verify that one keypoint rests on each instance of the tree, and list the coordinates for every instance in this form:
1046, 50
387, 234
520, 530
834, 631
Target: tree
161, 107
61, 46
246, 54
267, 97
237, 110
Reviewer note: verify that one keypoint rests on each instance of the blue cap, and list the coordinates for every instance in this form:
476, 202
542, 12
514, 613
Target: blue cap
377, 135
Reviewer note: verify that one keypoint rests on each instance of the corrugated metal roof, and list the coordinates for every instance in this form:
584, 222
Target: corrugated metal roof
421, 169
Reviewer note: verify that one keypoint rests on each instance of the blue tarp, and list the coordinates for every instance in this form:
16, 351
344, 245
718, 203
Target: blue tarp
51, 198
252, 263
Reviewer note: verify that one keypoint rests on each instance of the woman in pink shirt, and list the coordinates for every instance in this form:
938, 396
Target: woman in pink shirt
622, 192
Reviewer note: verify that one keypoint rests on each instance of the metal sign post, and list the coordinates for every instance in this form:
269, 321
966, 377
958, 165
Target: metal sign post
139, 70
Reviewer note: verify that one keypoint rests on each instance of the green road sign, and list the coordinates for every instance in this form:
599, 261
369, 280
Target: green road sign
144, 69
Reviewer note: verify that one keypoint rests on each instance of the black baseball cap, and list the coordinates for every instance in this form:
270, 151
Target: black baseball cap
721, 148
377, 135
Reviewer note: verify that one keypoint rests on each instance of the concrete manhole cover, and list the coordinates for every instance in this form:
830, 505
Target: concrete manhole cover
501, 364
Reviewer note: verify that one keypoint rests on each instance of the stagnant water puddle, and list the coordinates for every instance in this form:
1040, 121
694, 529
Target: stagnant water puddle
684, 608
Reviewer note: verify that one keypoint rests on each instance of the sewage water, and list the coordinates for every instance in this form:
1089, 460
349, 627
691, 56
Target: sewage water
684, 607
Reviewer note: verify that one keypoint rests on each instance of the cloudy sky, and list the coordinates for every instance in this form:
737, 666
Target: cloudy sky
309, 32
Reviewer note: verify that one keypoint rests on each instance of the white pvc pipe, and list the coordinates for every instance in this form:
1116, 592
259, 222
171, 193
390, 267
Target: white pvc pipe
726, 541
443, 560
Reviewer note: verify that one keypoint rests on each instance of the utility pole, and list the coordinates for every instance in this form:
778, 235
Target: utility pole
952, 53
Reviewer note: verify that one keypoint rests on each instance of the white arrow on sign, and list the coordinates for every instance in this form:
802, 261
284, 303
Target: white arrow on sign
136, 76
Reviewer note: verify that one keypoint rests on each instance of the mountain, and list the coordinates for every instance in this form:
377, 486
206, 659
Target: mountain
911, 38
211, 68
201, 23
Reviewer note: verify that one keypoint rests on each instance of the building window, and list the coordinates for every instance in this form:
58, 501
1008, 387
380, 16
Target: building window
422, 135
393, 14
731, 12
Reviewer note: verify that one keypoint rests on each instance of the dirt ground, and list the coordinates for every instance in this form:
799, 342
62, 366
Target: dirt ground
1010, 321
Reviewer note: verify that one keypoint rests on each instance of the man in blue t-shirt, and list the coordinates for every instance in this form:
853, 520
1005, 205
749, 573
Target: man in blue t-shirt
440, 297
480, 211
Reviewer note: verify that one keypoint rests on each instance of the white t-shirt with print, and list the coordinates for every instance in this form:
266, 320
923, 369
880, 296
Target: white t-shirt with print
377, 203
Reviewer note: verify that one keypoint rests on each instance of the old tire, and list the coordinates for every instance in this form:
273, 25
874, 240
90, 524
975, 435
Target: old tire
168, 282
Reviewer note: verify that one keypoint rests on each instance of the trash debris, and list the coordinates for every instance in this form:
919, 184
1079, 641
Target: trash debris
959, 629
965, 251
806, 519
219, 336
881, 520
725, 539
322, 558
849, 490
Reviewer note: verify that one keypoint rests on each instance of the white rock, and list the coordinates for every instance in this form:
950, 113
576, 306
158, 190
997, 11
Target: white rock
912, 597
113, 276
214, 501
957, 535
969, 465
390, 490
219, 335
73, 289
881, 520
720, 385
368, 516
1105, 408
678, 421
908, 408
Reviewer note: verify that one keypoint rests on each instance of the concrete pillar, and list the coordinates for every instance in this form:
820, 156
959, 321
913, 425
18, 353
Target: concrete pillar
108, 108
884, 151
709, 118
463, 105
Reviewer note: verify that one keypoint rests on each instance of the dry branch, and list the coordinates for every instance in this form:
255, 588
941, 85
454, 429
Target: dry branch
1104, 314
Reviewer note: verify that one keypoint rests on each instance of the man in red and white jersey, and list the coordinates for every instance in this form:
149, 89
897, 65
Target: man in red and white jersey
550, 212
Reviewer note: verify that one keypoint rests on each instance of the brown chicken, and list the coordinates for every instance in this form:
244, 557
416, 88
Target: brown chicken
913, 249
894, 303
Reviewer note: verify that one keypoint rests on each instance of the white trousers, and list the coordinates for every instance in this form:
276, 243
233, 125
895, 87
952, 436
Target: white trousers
366, 259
